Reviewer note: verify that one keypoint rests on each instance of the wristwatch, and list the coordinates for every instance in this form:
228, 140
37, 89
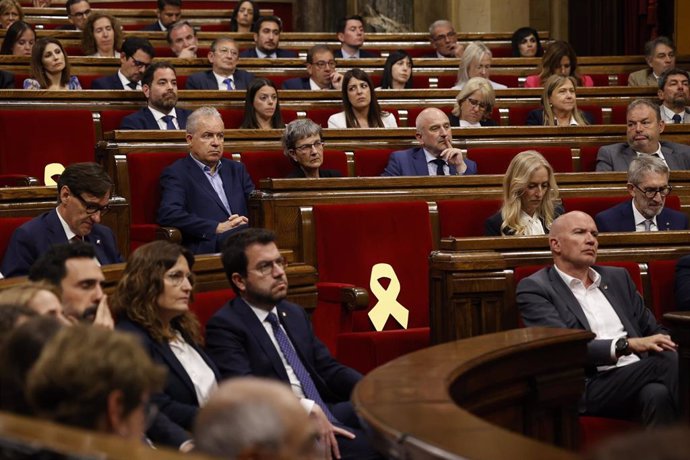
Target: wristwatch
622, 347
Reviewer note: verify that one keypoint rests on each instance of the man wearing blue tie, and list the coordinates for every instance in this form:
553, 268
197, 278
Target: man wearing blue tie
224, 74
159, 85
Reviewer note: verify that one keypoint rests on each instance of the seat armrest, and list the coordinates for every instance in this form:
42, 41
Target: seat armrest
347, 295
171, 234
17, 180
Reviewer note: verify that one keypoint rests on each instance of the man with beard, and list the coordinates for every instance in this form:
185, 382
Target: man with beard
159, 85
674, 94
267, 31
204, 194
84, 191
135, 56
261, 334
644, 132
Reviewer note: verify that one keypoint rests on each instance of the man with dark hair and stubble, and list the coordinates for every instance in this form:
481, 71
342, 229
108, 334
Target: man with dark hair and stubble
135, 57
674, 96
267, 31
78, 12
84, 191
351, 36
168, 12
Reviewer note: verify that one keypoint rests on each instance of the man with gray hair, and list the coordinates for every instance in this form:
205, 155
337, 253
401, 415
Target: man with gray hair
660, 55
249, 417
182, 39
644, 131
648, 185
204, 194
303, 145
224, 73
444, 40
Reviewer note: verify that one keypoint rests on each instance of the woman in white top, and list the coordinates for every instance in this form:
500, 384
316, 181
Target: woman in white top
530, 194
102, 36
476, 62
152, 301
362, 109
474, 104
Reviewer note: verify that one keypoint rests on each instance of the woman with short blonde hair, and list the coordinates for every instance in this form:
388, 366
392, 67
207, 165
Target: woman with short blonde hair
474, 104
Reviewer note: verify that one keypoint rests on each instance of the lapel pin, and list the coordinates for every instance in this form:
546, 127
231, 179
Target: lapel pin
98, 241
606, 286
283, 313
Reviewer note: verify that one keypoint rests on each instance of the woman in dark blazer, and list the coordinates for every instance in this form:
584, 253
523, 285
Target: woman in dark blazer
474, 104
152, 301
530, 196
559, 100
303, 145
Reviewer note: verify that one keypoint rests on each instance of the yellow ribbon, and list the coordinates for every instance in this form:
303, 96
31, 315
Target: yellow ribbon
387, 304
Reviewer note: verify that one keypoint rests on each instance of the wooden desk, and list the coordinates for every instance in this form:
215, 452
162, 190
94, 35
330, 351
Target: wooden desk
479, 398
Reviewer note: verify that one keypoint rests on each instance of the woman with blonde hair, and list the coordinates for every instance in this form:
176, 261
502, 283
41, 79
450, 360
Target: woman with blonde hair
43, 298
559, 100
476, 62
10, 12
102, 36
474, 104
530, 194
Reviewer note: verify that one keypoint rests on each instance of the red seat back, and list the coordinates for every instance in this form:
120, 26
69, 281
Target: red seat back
588, 158
31, 139
371, 162
662, 278
320, 116
511, 81
495, 160
595, 111
352, 238
517, 116
619, 114
207, 303
453, 216
111, 119
592, 205
232, 118
7, 226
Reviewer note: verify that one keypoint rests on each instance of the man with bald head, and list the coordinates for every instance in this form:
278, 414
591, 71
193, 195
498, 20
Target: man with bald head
632, 365
436, 156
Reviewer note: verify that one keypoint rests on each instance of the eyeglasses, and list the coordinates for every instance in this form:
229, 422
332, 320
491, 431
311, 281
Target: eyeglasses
230, 51
81, 14
145, 65
476, 103
306, 148
651, 192
177, 278
93, 208
442, 38
323, 64
266, 268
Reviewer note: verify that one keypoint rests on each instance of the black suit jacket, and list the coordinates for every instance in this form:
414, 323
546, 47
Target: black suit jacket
143, 119
362, 54
536, 117
297, 83
298, 173
620, 218
281, 53
238, 343
492, 225
154, 27
108, 82
178, 400
6, 80
206, 80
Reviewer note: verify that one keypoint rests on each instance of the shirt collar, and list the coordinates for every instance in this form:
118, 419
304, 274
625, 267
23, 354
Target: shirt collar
206, 168
429, 157
68, 231
639, 218
571, 281
125, 81
260, 313
467, 124
261, 54
346, 55
158, 114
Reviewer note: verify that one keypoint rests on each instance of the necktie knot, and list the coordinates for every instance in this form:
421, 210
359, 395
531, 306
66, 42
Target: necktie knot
273, 320
132, 84
229, 84
439, 166
648, 225
168, 119
676, 118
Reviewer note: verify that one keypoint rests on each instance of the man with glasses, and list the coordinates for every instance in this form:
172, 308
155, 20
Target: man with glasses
644, 131
259, 333
648, 185
444, 40
204, 194
135, 57
84, 191
78, 12
224, 74
321, 70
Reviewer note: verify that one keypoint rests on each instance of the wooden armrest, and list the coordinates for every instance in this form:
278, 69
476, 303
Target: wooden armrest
17, 180
354, 298
171, 234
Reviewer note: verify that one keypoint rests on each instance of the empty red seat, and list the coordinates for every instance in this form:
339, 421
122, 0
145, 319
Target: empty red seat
465, 218
495, 160
111, 119
7, 226
588, 158
371, 162
207, 303
232, 118
517, 115
662, 278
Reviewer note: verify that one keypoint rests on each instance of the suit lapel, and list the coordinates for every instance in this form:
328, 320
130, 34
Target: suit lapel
419, 162
174, 364
198, 176
671, 159
56, 234
150, 119
565, 294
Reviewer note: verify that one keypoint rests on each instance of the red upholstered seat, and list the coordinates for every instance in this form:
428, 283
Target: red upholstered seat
495, 160
511, 81
371, 162
206, 304
320, 116
588, 158
7, 226
274, 164
595, 111
447, 80
350, 240
518, 115
662, 277
453, 216
111, 119
288, 115
232, 118
31, 139
619, 114
144, 193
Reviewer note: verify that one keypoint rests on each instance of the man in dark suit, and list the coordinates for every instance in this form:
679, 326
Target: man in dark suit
136, 55
84, 191
78, 12
224, 73
321, 71
182, 39
267, 31
648, 186
444, 40
644, 131
168, 12
437, 156
6, 80
259, 333
632, 363
204, 194
351, 37
159, 85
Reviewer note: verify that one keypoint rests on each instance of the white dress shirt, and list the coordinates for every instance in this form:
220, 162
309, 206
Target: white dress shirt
199, 372
159, 118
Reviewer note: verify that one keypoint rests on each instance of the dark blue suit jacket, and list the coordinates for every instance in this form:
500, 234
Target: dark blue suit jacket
36, 236
536, 117
178, 400
620, 218
109, 82
206, 80
143, 119
362, 54
412, 162
281, 53
297, 83
238, 343
189, 203
6, 80
153, 27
